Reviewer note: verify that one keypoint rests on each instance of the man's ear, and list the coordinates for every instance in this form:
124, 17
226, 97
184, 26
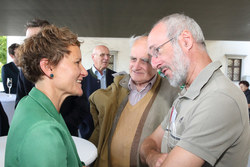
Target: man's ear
12, 56
186, 40
93, 56
44, 65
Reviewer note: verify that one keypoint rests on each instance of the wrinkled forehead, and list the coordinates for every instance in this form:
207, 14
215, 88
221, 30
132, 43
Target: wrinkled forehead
101, 49
139, 49
157, 35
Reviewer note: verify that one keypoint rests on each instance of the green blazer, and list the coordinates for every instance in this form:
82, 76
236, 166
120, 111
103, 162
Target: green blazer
38, 135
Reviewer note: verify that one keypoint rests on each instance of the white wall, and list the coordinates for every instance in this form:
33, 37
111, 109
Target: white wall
114, 44
216, 49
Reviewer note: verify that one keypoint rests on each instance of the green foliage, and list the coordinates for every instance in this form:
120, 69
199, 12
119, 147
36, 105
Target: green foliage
3, 49
3, 53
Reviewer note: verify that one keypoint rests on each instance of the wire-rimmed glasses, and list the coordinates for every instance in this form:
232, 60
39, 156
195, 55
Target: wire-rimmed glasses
155, 51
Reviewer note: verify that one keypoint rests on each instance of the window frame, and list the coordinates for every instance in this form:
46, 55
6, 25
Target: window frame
112, 62
233, 66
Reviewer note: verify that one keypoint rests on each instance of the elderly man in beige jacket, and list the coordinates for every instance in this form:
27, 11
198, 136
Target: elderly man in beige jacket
129, 110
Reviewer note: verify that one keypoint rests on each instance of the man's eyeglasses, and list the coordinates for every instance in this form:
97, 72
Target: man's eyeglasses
155, 51
103, 54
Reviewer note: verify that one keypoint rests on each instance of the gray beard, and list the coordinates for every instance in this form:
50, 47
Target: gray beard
181, 64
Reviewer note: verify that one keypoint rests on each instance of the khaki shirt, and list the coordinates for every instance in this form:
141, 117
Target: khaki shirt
210, 120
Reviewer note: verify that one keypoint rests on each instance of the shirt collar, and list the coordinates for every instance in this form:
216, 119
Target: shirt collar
132, 86
195, 88
96, 72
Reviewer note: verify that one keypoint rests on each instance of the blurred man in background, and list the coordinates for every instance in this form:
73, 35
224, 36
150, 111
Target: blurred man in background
10, 70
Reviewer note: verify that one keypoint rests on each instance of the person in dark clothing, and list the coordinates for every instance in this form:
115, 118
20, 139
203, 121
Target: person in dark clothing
99, 76
74, 111
23, 85
10, 70
4, 122
244, 87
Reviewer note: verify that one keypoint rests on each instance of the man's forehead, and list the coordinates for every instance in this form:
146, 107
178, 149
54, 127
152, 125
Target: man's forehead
157, 35
102, 49
139, 56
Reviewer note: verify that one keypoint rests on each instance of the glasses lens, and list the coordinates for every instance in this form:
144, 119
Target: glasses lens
155, 52
103, 54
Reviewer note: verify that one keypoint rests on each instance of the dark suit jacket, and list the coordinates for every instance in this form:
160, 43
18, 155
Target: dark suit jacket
89, 85
73, 109
4, 122
23, 87
10, 70
247, 93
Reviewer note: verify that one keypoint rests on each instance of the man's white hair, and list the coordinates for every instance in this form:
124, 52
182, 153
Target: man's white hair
177, 23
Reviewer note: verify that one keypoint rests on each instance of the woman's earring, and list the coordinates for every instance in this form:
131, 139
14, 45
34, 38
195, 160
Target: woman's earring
51, 75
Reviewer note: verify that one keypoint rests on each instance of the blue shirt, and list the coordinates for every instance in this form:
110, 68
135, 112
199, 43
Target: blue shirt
101, 77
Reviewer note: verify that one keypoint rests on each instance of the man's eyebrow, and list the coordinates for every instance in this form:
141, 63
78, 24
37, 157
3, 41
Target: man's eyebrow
145, 59
151, 46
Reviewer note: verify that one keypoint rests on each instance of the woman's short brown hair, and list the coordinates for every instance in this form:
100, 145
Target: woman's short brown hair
51, 43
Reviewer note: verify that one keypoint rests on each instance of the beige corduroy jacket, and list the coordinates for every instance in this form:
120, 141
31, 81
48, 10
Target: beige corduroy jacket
106, 106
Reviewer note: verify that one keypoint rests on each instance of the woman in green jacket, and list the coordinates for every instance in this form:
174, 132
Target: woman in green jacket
38, 135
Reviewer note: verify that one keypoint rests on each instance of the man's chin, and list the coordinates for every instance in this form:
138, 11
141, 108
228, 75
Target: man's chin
105, 64
136, 77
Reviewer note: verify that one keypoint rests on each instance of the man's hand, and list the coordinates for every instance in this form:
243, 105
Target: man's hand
156, 160
150, 151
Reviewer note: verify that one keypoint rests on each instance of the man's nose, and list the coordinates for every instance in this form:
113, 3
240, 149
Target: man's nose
154, 62
106, 56
137, 65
